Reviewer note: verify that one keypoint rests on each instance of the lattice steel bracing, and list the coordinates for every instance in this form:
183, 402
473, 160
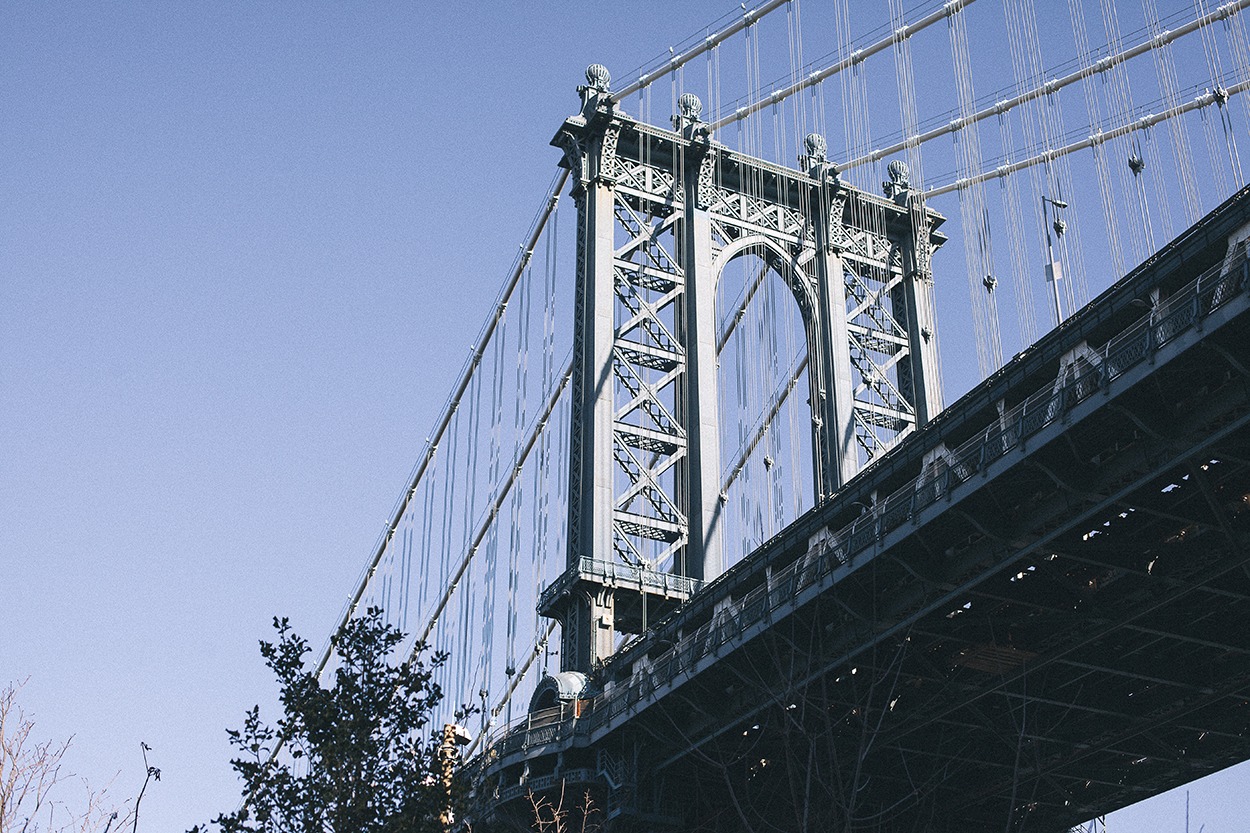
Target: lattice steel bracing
660, 214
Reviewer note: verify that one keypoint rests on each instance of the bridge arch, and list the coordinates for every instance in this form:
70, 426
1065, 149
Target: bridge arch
791, 269
766, 309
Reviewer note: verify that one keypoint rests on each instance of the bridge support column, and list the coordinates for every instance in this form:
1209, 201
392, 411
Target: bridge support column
588, 629
587, 624
641, 509
918, 307
590, 491
829, 366
590, 494
698, 405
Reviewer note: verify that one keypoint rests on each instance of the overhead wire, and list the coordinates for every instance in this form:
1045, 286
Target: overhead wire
678, 60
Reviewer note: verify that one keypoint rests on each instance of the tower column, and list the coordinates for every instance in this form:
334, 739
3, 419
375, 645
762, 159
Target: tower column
829, 364
590, 490
703, 556
921, 326
588, 629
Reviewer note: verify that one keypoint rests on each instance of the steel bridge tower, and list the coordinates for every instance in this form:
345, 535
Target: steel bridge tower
659, 214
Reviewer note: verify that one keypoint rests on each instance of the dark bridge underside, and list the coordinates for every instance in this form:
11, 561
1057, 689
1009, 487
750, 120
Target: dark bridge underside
1086, 644
1043, 634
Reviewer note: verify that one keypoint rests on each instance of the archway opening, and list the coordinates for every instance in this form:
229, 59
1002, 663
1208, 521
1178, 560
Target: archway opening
764, 400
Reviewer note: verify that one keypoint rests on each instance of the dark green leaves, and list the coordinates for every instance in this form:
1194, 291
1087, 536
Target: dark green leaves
357, 757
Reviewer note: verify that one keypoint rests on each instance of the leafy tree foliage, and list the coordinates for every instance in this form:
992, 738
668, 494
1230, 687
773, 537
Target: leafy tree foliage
358, 757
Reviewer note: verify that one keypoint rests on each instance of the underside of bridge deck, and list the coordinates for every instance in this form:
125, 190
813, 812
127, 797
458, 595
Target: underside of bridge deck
1069, 639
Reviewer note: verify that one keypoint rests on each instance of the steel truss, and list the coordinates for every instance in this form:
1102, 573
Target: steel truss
660, 214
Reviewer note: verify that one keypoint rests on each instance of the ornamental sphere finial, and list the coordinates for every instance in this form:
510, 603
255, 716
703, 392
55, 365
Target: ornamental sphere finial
598, 77
689, 106
898, 172
816, 145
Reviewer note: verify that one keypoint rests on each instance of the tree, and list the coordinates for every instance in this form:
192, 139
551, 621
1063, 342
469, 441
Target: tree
551, 817
33, 782
358, 757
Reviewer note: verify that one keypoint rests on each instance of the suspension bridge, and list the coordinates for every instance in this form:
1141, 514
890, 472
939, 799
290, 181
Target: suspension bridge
696, 524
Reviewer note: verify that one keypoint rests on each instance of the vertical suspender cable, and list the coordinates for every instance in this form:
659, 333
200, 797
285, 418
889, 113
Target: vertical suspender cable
449, 411
519, 418
1116, 82
1106, 191
484, 527
1234, 25
1022, 285
973, 211
1211, 50
841, 25
1165, 69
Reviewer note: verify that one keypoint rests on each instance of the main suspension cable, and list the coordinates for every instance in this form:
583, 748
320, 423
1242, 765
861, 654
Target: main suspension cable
1053, 85
1204, 100
859, 55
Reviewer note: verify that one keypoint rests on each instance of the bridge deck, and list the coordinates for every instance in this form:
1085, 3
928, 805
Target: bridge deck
1045, 624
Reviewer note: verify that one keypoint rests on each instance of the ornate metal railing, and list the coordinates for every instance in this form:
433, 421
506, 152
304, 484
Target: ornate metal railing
623, 575
1179, 313
538, 783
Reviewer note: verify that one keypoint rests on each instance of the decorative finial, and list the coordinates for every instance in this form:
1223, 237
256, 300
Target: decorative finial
816, 160
598, 78
686, 121
899, 183
898, 173
817, 147
689, 106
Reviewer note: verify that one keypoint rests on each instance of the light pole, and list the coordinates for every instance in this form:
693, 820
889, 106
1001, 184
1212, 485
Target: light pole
1053, 271
454, 736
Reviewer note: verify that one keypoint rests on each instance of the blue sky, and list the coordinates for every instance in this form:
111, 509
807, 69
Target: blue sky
243, 251
244, 248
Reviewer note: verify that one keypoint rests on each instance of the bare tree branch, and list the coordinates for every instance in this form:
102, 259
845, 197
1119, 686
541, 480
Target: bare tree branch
33, 781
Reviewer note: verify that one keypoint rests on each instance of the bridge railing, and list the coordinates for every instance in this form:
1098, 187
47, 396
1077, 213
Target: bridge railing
1179, 313
613, 574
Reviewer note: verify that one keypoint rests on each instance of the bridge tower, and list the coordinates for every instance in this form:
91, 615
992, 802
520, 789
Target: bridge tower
659, 215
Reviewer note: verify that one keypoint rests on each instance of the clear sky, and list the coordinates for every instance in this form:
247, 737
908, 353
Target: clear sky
244, 248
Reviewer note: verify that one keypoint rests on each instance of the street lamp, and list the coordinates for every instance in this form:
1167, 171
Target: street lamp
1053, 271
